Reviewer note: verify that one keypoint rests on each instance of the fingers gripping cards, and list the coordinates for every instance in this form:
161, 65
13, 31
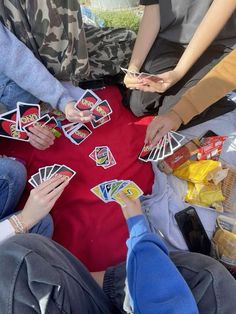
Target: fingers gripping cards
108, 191
165, 147
15, 123
45, 173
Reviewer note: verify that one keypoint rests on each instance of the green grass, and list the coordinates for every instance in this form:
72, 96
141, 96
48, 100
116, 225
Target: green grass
124, 18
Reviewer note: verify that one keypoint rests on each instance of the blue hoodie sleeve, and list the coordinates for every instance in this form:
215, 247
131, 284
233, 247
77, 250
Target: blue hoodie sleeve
19, 64
155, 284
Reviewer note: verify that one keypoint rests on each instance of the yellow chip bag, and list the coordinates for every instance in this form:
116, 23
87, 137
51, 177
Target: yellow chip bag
197, 171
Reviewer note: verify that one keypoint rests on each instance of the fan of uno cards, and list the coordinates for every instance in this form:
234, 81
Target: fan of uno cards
165, 147
48, 172
109, 191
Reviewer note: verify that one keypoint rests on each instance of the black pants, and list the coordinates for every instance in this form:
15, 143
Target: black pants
163, 57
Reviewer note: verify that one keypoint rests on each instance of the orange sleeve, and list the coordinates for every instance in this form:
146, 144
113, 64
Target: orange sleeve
218, 82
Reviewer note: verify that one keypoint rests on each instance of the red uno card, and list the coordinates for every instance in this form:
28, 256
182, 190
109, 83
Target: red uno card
65, 171
87, 101
26, 114
8, 130
101, 110
41, 121
145, 153
79, 134
9, 115
96, 124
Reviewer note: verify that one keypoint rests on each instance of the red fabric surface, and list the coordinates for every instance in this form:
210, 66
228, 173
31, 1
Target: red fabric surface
92, 230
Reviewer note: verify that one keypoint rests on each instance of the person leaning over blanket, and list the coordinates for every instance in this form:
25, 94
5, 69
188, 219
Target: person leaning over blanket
186, 40
35, 216
24, 78
219, 81
43, 277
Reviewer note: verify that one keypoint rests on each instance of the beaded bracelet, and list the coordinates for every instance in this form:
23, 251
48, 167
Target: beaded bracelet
17, 224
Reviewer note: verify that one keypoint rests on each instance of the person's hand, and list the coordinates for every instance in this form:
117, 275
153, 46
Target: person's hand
160, 126
167, 80
132, 81
132, 208
74, 115
42, 200
40, 137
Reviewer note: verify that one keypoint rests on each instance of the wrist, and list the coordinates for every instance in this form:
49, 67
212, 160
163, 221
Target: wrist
18, 224
174, 115
26, 220
133, 67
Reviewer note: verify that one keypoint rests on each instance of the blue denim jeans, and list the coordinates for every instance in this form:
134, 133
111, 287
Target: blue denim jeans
12, 183
11, 93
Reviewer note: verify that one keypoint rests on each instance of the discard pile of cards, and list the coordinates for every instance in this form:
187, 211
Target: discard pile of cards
48, 172
101, 110
108, 191
165, 147
152, 77
76, 132
15, 123
103, 157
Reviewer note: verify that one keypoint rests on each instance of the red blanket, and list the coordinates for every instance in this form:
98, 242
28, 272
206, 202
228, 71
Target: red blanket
92, 230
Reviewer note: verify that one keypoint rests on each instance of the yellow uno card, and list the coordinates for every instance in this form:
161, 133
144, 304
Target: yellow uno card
97, 192
131, 190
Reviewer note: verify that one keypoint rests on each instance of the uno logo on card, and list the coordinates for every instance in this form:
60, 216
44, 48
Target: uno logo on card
86, 103
81, 134
101, 110
29, 118
146, 150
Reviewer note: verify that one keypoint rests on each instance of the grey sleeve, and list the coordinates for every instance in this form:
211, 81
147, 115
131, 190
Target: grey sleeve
19, 64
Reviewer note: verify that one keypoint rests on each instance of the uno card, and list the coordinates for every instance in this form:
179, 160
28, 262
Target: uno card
131, 190
8, 130
112, 161
32, 182
51, 124
79, 134
53, 170
168, 147
96, 124
101, 155
37, 179
47, 172
179, 137
155, 152
145, 153
41, 121
9, 115
42, 173
174, 143
101, 110
87, 101
65, 171
93, 155
26, 113
96, 190
151, 77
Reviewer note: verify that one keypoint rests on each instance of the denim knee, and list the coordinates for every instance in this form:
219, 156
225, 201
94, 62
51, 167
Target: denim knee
12, 183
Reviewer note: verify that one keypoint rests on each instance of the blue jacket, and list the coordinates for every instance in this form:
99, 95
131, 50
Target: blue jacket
155, 285
19, 64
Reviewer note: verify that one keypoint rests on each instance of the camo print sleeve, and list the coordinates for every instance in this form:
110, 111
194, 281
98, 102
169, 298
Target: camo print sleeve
71, 51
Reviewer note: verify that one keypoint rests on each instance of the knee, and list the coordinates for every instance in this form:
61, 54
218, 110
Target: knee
13, 171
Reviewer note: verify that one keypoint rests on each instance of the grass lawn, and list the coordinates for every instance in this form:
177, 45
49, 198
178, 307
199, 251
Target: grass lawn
128, 18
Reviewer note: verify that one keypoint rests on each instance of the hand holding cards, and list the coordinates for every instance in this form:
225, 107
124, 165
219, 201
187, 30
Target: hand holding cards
165, 147
15, 124
109, 191
48, 172
101, 111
